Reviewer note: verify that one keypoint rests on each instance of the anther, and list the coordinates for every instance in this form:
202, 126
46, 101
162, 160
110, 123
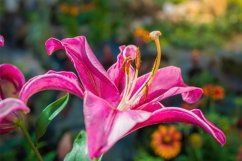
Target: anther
127, 66
125, 62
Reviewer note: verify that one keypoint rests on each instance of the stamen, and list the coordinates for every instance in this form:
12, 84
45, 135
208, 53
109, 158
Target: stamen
125, 62
146, 90
127, 77
138, 59
137, 67
126, 66
129, 86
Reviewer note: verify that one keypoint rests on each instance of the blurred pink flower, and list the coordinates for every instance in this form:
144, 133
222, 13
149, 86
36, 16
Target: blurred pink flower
10, 108
117, 101
1, 41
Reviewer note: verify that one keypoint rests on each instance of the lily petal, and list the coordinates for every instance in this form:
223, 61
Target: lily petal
168, 82
130, 51
1, 41
151, 106
92, 74
8, 110
116, 71
175, 114
106, 125
12, 74
65, 81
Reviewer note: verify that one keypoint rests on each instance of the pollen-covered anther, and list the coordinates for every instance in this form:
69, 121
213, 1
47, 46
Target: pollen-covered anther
138, 59
127, 66
146, 90
154, 35
126, 63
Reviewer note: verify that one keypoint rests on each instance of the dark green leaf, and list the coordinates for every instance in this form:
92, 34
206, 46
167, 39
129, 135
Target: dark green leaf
49, 113
79, 149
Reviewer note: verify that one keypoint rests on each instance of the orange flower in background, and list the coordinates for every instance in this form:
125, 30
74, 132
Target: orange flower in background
215, 92
207, 90
74, 10
166, 141
142, 33
218, 93
64, 8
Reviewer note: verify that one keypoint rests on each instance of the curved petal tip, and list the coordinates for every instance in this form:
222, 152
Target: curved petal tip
217, 133
195, 117
52, 45
192, 95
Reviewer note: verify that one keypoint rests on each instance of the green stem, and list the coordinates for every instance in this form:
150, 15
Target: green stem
28, 138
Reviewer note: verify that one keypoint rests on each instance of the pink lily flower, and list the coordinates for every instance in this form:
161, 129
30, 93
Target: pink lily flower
10, 108
118, 101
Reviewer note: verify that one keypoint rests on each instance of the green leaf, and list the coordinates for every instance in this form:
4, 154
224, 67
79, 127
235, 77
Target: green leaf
49, 113
79, 149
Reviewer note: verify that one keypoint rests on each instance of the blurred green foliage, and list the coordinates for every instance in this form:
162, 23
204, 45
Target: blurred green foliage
104, 23
17, 147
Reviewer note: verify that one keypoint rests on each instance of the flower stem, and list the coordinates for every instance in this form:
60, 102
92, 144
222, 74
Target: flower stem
28, 138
